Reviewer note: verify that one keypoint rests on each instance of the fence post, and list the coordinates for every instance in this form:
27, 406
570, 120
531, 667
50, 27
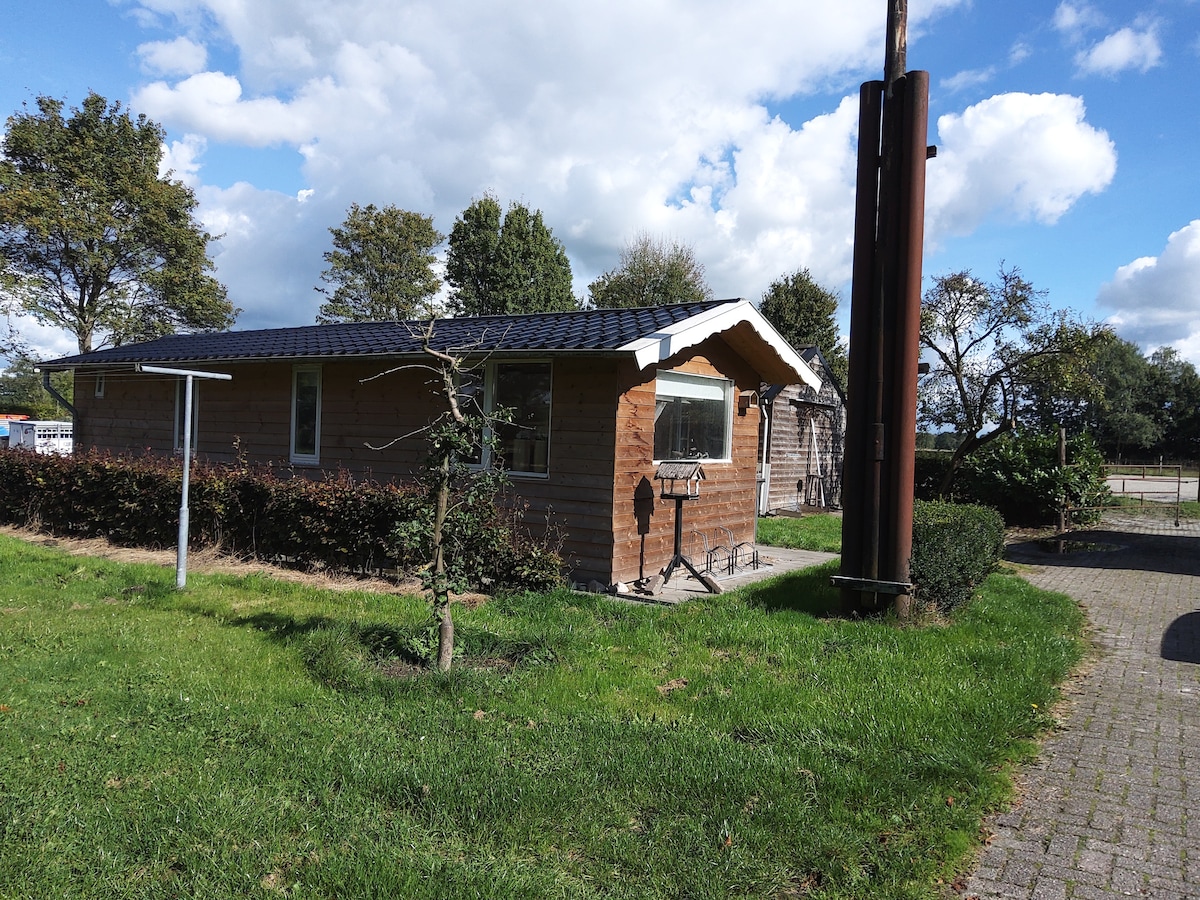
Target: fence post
1062, 464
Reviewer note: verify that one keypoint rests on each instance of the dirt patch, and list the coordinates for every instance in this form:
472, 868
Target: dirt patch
209, 561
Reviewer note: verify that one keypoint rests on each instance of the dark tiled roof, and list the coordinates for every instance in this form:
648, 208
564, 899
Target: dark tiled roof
591, 330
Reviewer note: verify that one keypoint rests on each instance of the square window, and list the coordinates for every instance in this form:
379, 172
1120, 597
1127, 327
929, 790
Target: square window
693, 416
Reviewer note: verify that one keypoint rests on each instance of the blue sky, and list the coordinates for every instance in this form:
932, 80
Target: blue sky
1066, 132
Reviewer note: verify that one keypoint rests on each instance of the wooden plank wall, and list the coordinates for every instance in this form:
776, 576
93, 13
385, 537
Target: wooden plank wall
791, 456
251, 414
644, 527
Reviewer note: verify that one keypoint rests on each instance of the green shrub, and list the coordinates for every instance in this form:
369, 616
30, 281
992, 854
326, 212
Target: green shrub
955, 546
1019, 475
338, 522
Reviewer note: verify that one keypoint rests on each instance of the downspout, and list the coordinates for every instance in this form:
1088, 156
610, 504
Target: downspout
764, 490
62, 401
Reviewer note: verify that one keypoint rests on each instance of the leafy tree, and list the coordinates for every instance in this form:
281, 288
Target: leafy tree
106, 247
380, 267
986, 340
1175, 392
651, 272
499, 267
21, 390
805, 313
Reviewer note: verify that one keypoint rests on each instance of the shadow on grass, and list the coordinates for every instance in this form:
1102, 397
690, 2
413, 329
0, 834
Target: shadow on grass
321, 639
805, 591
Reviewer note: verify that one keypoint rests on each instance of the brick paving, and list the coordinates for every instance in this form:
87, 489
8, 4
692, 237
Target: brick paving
1111, 808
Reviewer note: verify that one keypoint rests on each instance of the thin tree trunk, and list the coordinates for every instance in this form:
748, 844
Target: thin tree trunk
441, 588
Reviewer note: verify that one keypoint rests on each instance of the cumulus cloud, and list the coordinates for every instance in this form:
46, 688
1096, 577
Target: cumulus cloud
612, 118
1155, 300
1120, 51
178, 57
1020, 156
181, 160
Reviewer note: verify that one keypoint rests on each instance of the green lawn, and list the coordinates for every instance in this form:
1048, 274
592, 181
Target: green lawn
819, 531
237, 740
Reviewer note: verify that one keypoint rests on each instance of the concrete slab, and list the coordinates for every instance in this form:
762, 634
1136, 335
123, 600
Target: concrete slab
772, 561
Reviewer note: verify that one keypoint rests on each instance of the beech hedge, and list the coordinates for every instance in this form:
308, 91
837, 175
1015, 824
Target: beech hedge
338, 522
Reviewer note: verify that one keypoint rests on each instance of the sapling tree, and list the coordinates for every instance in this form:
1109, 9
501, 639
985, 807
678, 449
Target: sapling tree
455, 438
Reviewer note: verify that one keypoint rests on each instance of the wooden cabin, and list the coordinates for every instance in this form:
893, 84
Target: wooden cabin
803, 442
600, 398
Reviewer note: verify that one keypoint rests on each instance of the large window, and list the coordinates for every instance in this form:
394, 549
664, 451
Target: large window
693, 416
521, 445
306, 415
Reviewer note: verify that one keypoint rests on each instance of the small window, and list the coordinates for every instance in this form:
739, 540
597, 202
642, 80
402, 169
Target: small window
306, 415
523, 444
693, 416
100, 385
180, 406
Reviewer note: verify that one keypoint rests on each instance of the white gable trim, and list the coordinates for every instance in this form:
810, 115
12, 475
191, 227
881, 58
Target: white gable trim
664, 344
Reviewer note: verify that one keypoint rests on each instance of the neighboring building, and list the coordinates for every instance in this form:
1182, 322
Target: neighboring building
803, 442
600, 396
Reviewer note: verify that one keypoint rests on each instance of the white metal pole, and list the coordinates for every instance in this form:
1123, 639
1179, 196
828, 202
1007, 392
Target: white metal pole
181, 553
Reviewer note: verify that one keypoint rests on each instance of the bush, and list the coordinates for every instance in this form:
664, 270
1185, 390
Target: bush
338, 522
1019, 475
955, 546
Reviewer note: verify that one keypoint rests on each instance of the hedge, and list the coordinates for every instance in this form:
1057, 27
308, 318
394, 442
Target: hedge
338, 522
955, 546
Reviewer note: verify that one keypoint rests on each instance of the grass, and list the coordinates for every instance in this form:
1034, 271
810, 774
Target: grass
238, 740
820, 531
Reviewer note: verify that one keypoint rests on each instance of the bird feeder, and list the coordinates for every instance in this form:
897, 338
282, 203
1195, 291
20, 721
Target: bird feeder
679, 480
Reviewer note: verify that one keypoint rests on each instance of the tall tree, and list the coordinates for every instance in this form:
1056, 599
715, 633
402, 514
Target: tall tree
986, 340
380, 267
499, 267
651, 271
805, 313
21, 389
108, 249
1175, 389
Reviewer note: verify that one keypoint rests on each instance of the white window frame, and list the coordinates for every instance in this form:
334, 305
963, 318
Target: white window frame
305, 459
99, 385
180, 403
672, 384
490, 377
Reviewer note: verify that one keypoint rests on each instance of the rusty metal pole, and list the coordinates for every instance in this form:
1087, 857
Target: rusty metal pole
885, 329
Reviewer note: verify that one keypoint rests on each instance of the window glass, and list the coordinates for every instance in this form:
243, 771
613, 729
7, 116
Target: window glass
306, 415
692, 416
523, 388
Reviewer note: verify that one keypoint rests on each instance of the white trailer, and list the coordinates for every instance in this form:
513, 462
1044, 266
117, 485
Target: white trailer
42, 437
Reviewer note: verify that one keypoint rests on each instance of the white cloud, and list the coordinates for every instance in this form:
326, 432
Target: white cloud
181, 159
178, 57
1073, 19
1019, 156
1120, 51
1156, 299
612, 118
966, 79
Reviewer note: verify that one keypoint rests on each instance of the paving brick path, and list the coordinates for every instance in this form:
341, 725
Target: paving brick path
1112, 806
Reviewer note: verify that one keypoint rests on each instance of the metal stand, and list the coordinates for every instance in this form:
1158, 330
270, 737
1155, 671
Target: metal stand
679, 557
